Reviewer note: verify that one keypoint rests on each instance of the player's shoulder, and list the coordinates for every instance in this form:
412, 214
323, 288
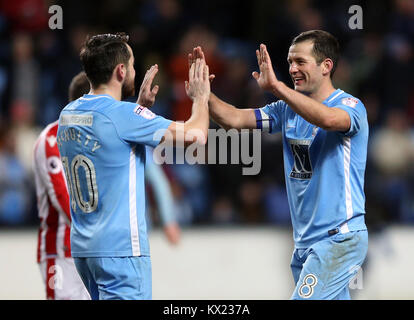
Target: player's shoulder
276, 106
71, 105
47, 137
92, 103
50, 129
131, 110
346, 99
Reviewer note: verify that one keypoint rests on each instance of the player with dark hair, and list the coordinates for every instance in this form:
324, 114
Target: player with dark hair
102, 143
154, 175
58, 270
78, 86
325, 137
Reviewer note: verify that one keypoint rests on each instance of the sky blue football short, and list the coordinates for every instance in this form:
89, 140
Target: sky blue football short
116, 278
324, 270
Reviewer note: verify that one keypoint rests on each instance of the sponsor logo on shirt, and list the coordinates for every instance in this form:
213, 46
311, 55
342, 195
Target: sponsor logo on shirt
350, 102
144, 112
302, 166
76, 120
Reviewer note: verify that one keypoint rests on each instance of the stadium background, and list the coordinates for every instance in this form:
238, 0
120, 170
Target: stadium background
240, 222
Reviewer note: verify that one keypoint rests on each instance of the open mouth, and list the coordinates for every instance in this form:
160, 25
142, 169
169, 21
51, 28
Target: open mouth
298, 81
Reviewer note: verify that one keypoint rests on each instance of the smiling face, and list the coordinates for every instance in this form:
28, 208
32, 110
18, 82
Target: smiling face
307, 75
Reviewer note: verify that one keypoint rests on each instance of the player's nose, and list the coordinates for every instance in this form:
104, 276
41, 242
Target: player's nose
293, 69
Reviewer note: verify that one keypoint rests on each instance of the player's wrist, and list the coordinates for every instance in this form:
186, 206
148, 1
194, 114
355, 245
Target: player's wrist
201, 100
278, 88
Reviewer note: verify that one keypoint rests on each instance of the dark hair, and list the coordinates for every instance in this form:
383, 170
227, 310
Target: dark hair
325, 46
78, 86
101, 54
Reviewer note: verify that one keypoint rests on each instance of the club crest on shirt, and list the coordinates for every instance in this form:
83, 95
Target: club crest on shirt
350, 102
54, 165
144, 112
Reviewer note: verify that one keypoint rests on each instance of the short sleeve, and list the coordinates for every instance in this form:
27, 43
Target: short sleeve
357, 113
137, 124
270, 117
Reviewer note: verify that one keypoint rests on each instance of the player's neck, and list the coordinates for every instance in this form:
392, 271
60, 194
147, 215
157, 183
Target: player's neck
324, 91
114, 91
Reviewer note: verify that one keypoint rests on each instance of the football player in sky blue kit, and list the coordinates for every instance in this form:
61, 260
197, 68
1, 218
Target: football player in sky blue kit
102, 142
325, 136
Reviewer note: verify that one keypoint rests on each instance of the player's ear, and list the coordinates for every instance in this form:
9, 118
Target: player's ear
120, 72
327, 66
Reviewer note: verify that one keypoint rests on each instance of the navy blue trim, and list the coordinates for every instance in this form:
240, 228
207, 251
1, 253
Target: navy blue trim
258, 119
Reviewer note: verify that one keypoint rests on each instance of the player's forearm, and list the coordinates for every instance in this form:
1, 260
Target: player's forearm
223, 113
199, 121
312, 110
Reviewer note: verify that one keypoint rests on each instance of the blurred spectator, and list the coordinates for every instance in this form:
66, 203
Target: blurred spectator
178, 66
276, 205
343, 76
14, 188
250, 199
392, 147
366, 53
237, 73
69, 63
392, 153
165, 22
26, 15
309, 19
25, 132
399, 45
223, 211
25, 71
410, 106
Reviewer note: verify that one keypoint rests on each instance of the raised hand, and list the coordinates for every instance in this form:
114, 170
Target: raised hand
198, 84
198, 53
266, 79
146, 96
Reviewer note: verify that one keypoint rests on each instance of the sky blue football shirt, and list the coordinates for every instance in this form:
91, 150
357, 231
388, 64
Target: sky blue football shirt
324, 170
102, 146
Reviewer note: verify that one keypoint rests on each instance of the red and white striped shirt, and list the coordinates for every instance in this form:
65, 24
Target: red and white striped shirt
52, 197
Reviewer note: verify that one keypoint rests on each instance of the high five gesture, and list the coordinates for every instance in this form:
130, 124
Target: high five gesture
266, 78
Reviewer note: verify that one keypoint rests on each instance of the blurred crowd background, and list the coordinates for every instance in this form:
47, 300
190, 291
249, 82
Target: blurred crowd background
37, 65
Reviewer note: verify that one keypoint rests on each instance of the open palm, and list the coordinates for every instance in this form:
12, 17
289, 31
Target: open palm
146, 96
266, 78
